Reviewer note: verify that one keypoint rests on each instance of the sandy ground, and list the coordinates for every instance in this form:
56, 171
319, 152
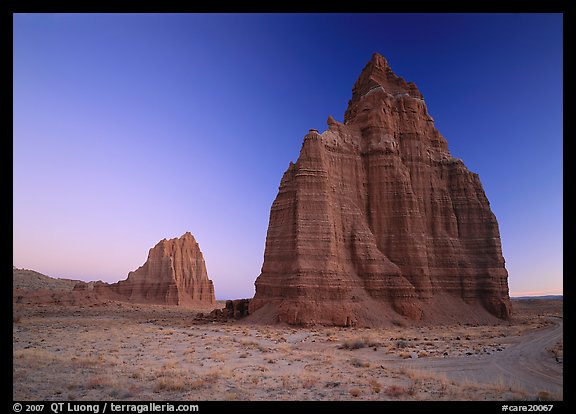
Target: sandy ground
135, 352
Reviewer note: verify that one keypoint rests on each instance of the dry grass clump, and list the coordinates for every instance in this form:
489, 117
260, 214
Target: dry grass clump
375, 386
32, 353
35, 357
371, 342
352, 344
418, 374
287, 382
557, 350
170, 379
85, 362
547, 396
355, 362
217, 356
170, 384
214, 374
401, 344
355, 392
247, 343
231, 396
357, 343
422, 380
395, 391
196, 383
308, 381
102, 381
285, 349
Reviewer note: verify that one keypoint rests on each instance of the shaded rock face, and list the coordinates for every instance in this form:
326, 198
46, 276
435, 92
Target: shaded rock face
377, 221
234, 309
237, 308
174, 274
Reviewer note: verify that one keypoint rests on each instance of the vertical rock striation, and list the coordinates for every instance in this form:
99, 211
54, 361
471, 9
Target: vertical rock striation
377, 221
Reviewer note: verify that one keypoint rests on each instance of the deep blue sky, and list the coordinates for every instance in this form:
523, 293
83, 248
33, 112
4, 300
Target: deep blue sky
130, 128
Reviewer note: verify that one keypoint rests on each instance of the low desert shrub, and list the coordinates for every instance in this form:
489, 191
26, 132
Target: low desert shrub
355, 392
401, 344
395, 391
353, 344
355, 362
176, 383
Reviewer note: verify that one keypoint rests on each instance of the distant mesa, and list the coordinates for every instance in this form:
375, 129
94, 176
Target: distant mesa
376, 223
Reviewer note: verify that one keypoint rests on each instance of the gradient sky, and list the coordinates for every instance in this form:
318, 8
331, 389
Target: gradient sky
130, 128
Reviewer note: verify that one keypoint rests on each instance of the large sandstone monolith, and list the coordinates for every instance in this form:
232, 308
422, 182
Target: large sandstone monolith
377, 222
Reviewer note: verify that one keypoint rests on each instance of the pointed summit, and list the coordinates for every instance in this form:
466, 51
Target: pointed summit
379, 61
187, 235
378, 75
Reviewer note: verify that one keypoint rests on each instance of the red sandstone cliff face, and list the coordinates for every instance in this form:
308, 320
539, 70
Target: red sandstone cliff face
174, 274
376, 221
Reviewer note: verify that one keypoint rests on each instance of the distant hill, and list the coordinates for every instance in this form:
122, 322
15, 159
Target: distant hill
32, 280
556, 297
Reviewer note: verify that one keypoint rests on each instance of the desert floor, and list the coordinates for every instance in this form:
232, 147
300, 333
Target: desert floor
136, 352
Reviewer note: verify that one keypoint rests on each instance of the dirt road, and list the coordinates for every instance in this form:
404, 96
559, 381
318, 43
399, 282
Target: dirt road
525, 363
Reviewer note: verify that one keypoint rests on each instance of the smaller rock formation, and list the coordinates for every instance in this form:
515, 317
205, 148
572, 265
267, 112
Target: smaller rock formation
174, 274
